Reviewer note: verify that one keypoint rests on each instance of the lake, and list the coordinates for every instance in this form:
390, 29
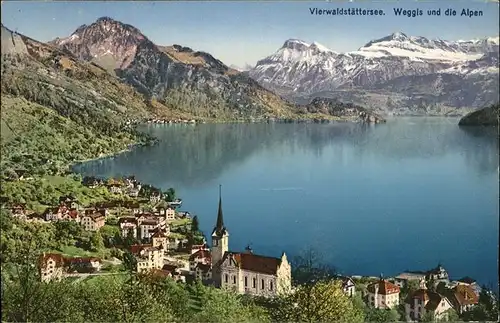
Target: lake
371, 199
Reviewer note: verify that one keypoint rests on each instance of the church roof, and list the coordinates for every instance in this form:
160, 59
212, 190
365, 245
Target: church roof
255, 263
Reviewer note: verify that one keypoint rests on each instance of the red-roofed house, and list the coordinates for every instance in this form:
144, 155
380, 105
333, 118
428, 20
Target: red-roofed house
200, 257
383, 294
463, 298
196, 247
423, 301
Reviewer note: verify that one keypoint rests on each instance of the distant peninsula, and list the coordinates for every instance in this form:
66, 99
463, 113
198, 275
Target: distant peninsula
487, 116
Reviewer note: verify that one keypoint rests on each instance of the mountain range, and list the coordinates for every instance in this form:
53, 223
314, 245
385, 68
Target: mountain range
74, 98
396, 74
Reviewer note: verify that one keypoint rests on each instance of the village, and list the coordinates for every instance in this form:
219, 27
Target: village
157, 238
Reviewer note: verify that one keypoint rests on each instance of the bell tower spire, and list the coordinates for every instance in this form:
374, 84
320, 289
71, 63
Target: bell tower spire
219, 226
220, 235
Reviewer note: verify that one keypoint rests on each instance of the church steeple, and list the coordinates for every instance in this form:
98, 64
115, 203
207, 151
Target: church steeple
220, 241
219, 228
220, 218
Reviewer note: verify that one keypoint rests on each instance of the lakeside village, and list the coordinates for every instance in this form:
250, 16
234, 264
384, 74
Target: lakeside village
162, 240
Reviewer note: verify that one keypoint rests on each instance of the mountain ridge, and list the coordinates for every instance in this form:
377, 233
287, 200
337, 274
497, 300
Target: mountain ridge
296, 72
178, 77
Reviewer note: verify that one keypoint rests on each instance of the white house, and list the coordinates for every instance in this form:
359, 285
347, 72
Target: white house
347, 285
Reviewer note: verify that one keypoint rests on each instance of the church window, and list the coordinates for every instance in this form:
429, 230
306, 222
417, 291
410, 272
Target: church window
262, 284
234, 279
246, 281
271, 285
254, 283
226, 277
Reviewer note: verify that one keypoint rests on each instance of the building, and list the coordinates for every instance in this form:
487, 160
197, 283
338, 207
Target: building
160, 239
61, 213
51, 266
438, 274
402, 279
148, 257
197, 247
203, 272
348, 285
175, 272
83, 264
246, 272
383, 294
463, 298
424, 301
93, 221
70, 202
148, 225
201, 256
128, 225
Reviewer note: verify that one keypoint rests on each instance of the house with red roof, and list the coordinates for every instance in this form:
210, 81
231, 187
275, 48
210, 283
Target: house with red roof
463, 298
61, 213
201, 256
383, 294
423, 301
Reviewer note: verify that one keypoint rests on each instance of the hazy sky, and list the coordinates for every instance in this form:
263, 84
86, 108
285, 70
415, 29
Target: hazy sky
244, 32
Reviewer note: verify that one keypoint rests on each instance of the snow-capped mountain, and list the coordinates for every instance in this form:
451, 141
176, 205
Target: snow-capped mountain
245, 68
300, 69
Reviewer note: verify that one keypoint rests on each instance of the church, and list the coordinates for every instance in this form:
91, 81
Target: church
246, 272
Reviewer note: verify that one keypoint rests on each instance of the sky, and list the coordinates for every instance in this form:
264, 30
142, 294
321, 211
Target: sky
241, 32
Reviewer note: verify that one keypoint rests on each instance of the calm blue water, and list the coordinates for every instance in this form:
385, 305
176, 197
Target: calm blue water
371, 199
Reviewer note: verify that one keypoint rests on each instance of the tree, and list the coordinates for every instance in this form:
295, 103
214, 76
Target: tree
170, 195
485, 310
452, 316
382, 315
225, 306
96, 242
67, 232
109, 233
324, 301
308, 268
130, 239
428, 317
431, 284
129, 261
195, 224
